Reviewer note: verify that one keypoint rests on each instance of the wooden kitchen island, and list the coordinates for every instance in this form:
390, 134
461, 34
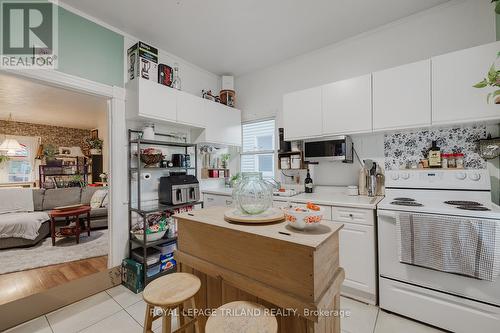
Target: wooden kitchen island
294, 273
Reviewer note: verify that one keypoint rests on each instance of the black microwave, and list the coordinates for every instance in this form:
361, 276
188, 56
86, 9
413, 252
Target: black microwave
337, 148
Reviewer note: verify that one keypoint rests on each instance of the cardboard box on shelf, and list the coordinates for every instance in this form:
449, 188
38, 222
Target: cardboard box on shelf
142, 61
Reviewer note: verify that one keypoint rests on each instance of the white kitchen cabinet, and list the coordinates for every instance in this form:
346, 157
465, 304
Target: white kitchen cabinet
402, 96
358, 257
454, 99
212, 200
347, 106
191, 109
210, 122
223, 125
150, 100
302, 114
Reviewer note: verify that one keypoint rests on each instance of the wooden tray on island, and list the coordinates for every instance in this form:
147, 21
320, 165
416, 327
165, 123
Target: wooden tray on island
269, 216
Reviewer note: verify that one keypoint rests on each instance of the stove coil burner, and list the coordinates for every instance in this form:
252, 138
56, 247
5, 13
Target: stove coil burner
474, 207
462, 203
406, 203
404, 199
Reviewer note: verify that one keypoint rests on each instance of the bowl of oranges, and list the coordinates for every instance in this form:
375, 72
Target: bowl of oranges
303, 217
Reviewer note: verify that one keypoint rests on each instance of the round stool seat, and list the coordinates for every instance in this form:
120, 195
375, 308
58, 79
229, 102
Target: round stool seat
171, 289
241, 317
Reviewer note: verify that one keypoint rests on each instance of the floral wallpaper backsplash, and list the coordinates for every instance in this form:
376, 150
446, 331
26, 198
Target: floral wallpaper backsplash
403, 147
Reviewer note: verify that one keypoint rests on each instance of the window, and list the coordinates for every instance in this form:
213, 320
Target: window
19, 167
258, 148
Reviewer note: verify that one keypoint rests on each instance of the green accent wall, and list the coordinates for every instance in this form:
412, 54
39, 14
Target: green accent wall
89, 50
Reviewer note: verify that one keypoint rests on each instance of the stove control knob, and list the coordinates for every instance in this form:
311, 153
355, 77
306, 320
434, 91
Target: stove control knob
395, 176
474, 176
461, 175
405, 175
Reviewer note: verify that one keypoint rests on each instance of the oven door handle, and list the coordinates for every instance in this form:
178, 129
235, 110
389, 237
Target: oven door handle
388, 214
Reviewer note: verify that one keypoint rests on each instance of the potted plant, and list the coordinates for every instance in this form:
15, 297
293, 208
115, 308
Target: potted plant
77, 181
492, 80
224, 158
49, 152
3, 158
497, 6
95, 146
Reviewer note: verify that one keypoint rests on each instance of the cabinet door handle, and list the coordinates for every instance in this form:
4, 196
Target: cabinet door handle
351, 216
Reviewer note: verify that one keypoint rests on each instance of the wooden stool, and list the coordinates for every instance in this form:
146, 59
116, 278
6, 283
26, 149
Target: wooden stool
241, 317
170, 292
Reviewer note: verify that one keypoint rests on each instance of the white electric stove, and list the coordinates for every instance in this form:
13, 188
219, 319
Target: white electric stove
450, 301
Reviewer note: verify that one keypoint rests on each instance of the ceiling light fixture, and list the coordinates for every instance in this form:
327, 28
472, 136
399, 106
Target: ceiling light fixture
10, 146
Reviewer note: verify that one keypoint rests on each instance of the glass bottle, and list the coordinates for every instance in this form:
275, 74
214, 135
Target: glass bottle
253, 195
308, 183
434, 156
176, 81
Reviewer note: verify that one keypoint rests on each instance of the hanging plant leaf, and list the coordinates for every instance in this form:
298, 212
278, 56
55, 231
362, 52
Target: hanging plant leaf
492, 74
481, 84
497, 8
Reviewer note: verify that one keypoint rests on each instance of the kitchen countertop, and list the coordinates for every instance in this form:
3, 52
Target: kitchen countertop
323, 195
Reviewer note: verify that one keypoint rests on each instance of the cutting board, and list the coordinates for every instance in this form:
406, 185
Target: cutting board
269, 216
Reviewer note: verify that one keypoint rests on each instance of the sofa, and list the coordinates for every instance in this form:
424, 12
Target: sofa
48, 199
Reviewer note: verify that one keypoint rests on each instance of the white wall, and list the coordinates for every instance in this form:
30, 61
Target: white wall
456, 25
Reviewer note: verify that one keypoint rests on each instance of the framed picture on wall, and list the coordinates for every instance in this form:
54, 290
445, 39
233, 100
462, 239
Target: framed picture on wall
94, 134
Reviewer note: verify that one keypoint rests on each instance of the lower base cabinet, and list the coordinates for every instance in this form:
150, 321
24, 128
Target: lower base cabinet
357, 257
212, 200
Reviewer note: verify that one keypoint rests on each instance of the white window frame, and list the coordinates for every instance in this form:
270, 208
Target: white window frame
256, 153
31, 143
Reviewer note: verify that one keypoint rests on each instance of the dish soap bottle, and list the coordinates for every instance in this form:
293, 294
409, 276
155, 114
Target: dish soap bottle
308, 183
434, 156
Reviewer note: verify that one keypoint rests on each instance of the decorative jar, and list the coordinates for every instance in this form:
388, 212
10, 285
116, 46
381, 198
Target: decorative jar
253, 195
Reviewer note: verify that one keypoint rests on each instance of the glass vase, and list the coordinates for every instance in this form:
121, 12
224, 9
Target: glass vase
253, 195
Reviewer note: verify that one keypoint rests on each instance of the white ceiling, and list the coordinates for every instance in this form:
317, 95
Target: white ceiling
34, 102
238, 36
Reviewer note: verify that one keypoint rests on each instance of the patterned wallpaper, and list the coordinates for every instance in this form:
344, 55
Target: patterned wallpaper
55, 135
409, 146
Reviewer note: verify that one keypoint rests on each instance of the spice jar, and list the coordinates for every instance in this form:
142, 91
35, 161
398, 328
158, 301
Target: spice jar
451, 161
444, 161
459, 160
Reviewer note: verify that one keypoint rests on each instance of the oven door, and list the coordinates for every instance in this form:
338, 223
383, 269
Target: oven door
390, 267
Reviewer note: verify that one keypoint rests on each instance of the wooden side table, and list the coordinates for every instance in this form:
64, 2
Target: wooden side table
70, 213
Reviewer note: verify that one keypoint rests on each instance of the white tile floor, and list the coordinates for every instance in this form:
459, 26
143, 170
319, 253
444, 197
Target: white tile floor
119, 310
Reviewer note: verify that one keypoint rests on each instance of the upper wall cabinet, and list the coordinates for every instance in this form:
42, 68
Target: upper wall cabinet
148, 99
191, 109
402, 96
302, 114
210, 122
347, 106
223, 125
454, 99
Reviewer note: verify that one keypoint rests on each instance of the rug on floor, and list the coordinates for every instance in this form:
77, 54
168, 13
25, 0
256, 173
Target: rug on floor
44, 254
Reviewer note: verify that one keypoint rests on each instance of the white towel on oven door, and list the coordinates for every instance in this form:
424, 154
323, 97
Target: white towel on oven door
459, 245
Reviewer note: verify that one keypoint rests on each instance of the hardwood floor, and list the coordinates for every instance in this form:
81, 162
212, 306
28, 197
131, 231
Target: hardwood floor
21, 284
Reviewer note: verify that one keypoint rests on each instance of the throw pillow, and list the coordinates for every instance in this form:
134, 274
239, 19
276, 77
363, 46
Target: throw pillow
97, 198
105, 200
